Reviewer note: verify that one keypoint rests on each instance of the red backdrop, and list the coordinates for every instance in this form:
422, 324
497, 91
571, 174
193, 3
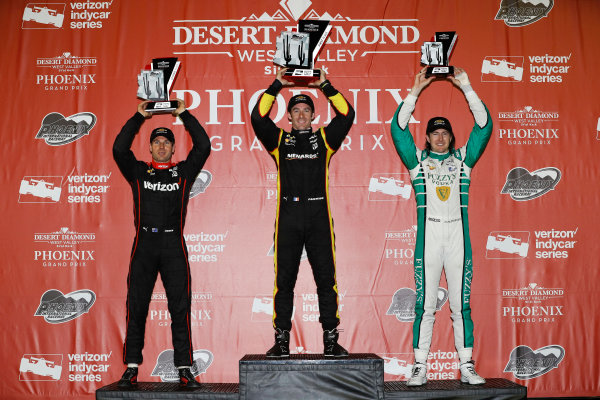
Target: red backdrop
69, 69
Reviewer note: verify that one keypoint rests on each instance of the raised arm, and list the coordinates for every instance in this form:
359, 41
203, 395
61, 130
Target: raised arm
122, 153
200, 140
401, 136
340, 125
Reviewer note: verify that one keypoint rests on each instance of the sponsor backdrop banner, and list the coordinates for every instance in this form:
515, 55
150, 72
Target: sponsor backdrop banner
69, 72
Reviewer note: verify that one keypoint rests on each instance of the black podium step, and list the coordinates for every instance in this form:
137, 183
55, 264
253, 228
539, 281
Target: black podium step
311, 376
493, 388
167, 390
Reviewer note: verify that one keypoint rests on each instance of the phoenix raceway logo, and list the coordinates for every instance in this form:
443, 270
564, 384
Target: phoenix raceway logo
43, 16
57, 307
40, 189
517, 13
526, 363
523, 185
502, 244
57, 130
201, 183
403, 303
502, 69
165, 366
389, 187
40, 367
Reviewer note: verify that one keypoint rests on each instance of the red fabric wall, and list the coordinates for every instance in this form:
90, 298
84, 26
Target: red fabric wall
536, 276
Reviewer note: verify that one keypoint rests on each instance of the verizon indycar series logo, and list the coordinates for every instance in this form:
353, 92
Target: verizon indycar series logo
57, 307
517, 13
404, 300
201, 183
166, 370
262, 308
502, 69
40, 189
526, 363
40, 367
507, 245
523, 185
397, 366
389, 187
57, 130
43, 16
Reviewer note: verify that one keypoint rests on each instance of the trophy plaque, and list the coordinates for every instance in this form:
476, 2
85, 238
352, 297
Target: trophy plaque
155, 82
298, 50
436, 54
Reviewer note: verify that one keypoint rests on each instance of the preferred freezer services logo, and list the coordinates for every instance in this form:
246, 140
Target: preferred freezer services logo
525, 363
518, 13
529, 304
60, 73
58, 130
523, 185
389, 187
254, 36
201, 311
40, 367
165, 365
404, 300
57, 307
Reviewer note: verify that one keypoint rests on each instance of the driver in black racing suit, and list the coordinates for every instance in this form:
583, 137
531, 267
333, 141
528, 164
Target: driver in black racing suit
303, 215
161, 191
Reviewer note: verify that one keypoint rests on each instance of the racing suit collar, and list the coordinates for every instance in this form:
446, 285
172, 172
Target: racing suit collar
439, 156
159, 165
301, 131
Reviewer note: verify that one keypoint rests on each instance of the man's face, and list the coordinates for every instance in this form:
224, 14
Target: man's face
162, 149
301, 116
439, 140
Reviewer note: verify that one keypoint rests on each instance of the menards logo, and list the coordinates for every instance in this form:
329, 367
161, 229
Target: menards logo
254, 36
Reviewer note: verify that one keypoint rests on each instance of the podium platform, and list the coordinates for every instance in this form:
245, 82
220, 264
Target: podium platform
311, 376
315, 377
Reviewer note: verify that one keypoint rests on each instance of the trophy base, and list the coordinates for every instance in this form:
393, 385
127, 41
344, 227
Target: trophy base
159, 107
439, 71
302, 76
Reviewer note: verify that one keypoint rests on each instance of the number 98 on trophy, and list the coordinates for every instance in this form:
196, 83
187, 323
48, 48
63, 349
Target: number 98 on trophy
155, 82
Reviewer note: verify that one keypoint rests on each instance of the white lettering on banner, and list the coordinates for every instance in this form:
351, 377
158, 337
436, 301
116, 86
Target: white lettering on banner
554, 245
87, 367
542, 70
310, 306
87, 188
205, 247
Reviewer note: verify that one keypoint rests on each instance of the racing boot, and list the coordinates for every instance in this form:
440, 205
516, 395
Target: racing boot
418, 376
281, 348
129, 378
186, 379
331, 346
468, 374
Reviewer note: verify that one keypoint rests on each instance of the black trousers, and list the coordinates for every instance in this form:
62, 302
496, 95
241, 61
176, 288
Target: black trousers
163, 252
306, 224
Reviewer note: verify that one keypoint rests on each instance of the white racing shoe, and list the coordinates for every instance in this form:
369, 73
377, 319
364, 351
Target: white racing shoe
468, 374
418, 376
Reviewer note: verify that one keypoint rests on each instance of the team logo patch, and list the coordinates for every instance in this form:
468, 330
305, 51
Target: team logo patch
443, 192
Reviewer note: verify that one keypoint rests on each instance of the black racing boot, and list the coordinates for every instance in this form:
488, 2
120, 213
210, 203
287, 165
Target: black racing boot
281, 348
186, 379
129, 378
331, 346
